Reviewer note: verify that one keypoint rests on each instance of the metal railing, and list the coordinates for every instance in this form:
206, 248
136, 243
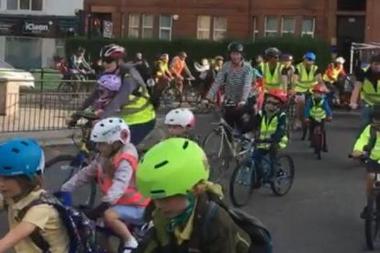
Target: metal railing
41, 109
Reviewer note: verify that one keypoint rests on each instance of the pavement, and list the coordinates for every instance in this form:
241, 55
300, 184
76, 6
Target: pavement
320, 214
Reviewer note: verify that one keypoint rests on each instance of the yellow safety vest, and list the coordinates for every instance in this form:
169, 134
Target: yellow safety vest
334, 72
272, 81
365, 139
267, 128
316, 111
139, 109
306, 79
369, 94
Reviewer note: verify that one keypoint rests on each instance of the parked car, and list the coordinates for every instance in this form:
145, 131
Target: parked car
22, 77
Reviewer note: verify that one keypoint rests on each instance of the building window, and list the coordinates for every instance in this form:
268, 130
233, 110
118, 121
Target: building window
147, 26
271, 26
33, 5
12, 4
203, 27
308, 27
60, 47
220, 28
288, 25
255, 30
165, 28
133, 25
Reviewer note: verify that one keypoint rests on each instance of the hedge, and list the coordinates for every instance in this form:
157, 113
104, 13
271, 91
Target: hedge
198, 49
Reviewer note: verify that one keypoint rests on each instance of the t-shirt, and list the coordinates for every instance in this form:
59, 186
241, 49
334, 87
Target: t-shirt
367, 74
45, 218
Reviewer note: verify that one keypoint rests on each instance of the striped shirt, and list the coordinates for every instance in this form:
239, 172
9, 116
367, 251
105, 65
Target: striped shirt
237, 82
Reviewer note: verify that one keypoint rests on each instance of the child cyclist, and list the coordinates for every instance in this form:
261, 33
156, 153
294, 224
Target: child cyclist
21, 165
317, 110
180, 122
270, 125
114, 168
368, 145
174, 173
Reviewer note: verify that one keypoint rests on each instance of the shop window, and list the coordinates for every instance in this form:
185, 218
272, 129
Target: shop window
271, 26
203, 27
134, 25
288, 25
220, 28
165, 27
23, 52
308, 27
147, 26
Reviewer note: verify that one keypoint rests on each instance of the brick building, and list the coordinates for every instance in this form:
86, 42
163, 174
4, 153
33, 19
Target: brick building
339, 22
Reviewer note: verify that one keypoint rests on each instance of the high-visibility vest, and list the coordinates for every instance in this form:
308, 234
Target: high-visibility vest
272, 80
370, 94
131, 196
268, 127
332, 73
306, 79
317, 112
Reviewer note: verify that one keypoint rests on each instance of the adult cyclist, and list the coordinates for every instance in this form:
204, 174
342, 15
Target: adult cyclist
236, 76
367, 87
273, 72
132, 102
306, 75
78, 65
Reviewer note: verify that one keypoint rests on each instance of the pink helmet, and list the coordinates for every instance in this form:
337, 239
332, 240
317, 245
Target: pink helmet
111, 82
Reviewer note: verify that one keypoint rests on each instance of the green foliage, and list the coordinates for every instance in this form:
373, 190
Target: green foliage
198, 49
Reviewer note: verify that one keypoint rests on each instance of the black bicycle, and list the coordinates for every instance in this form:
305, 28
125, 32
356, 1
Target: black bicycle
62, 167
278, 172
372, 212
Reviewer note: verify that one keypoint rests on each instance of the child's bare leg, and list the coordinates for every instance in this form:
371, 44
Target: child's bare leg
112, 221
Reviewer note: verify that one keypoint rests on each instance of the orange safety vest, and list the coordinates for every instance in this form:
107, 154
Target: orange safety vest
131, 195
177, 66
332, 73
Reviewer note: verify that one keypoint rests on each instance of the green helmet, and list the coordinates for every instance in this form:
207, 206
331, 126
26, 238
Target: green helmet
171, 167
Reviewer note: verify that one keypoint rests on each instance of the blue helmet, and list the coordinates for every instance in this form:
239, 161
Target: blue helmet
21, 156
310, 56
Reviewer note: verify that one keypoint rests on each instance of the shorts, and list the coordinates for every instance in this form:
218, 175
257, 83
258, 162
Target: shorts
130, 214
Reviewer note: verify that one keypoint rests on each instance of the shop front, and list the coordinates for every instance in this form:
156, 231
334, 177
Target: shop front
31, 41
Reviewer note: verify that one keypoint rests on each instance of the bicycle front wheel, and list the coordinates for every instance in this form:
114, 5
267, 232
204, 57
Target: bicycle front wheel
171, 97
283, 175
372, 222
59, 170
216, 149
241, 183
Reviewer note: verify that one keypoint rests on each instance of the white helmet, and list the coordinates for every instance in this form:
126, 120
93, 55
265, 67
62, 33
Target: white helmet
340, 60
110, 130
180, 117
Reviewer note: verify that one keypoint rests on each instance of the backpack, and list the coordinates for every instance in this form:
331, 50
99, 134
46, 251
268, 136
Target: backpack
80, 229
261, 239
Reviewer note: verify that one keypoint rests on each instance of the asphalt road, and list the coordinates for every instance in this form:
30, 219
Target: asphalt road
321, 212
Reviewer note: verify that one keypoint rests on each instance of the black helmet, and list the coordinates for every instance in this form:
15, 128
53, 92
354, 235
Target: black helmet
376, 112
375, 58
272, 52
235, 47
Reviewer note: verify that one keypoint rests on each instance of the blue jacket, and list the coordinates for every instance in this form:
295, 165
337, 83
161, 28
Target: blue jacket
309, 105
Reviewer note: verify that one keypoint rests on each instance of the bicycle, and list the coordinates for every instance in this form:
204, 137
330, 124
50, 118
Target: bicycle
73, 83
318, 138
63, 167
245, 180
372, 219
222, 147
171, 96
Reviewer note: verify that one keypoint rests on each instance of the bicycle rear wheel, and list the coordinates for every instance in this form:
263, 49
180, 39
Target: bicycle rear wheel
171, 97
241, 183
318, 142
283, 175
217, 150
372, 222
59, 170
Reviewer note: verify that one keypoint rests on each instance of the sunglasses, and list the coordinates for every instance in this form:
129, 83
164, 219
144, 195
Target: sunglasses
108, 60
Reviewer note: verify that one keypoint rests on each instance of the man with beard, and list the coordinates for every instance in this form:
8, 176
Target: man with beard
368, 86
